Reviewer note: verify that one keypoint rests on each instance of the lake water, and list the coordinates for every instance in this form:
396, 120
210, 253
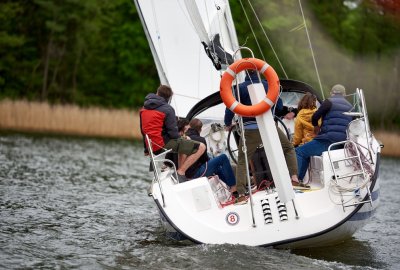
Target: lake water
75, 203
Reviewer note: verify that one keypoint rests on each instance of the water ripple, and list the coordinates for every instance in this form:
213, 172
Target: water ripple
82, 203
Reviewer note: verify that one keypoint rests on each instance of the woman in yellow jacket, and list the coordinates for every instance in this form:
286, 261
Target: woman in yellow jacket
303, 129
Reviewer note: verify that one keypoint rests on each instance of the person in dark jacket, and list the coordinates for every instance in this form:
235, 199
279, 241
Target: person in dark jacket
158, 122
252, 134
183, 126
333, 127
205, 166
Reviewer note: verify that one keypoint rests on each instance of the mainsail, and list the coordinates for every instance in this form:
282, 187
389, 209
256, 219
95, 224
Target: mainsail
183, 36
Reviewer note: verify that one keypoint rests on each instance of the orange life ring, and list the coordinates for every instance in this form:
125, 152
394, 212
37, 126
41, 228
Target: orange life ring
226, 87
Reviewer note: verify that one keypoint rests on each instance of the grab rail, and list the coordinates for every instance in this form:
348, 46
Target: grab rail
365, 115
358, 171
154, 159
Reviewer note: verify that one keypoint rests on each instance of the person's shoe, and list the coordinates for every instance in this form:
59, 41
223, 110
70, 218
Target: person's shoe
305, 185
182, 178
241, 200
254, 189
300, 185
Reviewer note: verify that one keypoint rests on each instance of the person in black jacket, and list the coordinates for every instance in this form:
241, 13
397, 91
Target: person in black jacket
158, 122
205, 166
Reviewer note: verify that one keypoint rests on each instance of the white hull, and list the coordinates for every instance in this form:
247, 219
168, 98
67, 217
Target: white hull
192, 210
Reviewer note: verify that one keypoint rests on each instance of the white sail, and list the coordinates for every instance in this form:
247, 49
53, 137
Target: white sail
176, 37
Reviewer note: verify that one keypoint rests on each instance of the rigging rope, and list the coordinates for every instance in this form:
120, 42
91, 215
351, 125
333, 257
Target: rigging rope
269, 41
272, 47
311, 48
254, 34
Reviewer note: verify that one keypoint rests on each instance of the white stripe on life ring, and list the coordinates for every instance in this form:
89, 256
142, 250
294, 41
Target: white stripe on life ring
268, 101
234, 105
264, 68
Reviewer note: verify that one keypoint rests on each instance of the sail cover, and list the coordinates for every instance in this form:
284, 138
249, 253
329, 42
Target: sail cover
179, 32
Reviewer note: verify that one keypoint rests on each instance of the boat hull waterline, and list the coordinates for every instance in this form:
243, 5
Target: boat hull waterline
319, 221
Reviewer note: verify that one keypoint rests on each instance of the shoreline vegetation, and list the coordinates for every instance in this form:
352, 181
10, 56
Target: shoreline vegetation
38, 117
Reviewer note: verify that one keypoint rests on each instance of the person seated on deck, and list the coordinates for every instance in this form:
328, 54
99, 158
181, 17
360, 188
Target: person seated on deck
158, 122
183, 126
253, 137
303, 128
333, 127
205, 166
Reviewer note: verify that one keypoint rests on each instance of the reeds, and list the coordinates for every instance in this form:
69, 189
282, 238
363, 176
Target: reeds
391, 142
68, 119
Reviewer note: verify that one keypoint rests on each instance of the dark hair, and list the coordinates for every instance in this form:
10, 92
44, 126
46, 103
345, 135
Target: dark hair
182, 122
165, 91
308, 101
196, 124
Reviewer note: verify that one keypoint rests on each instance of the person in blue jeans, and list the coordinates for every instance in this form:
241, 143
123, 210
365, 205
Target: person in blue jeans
205, 166
333, 128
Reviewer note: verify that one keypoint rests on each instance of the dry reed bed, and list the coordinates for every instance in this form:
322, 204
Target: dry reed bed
68, 119
391, 142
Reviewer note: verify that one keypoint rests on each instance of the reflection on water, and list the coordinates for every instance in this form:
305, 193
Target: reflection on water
82, 203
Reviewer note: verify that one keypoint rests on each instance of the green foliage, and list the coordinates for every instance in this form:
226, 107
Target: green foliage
357, 46
84, 52
95, 52
360, 26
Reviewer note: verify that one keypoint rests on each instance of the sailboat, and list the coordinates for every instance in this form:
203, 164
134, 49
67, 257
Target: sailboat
194, 44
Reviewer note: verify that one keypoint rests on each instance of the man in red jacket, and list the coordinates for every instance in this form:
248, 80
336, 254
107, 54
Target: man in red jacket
158, 121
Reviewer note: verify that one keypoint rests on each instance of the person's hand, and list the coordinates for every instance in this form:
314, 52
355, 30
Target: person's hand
228, 128
316, 130
146, 154
289, 116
